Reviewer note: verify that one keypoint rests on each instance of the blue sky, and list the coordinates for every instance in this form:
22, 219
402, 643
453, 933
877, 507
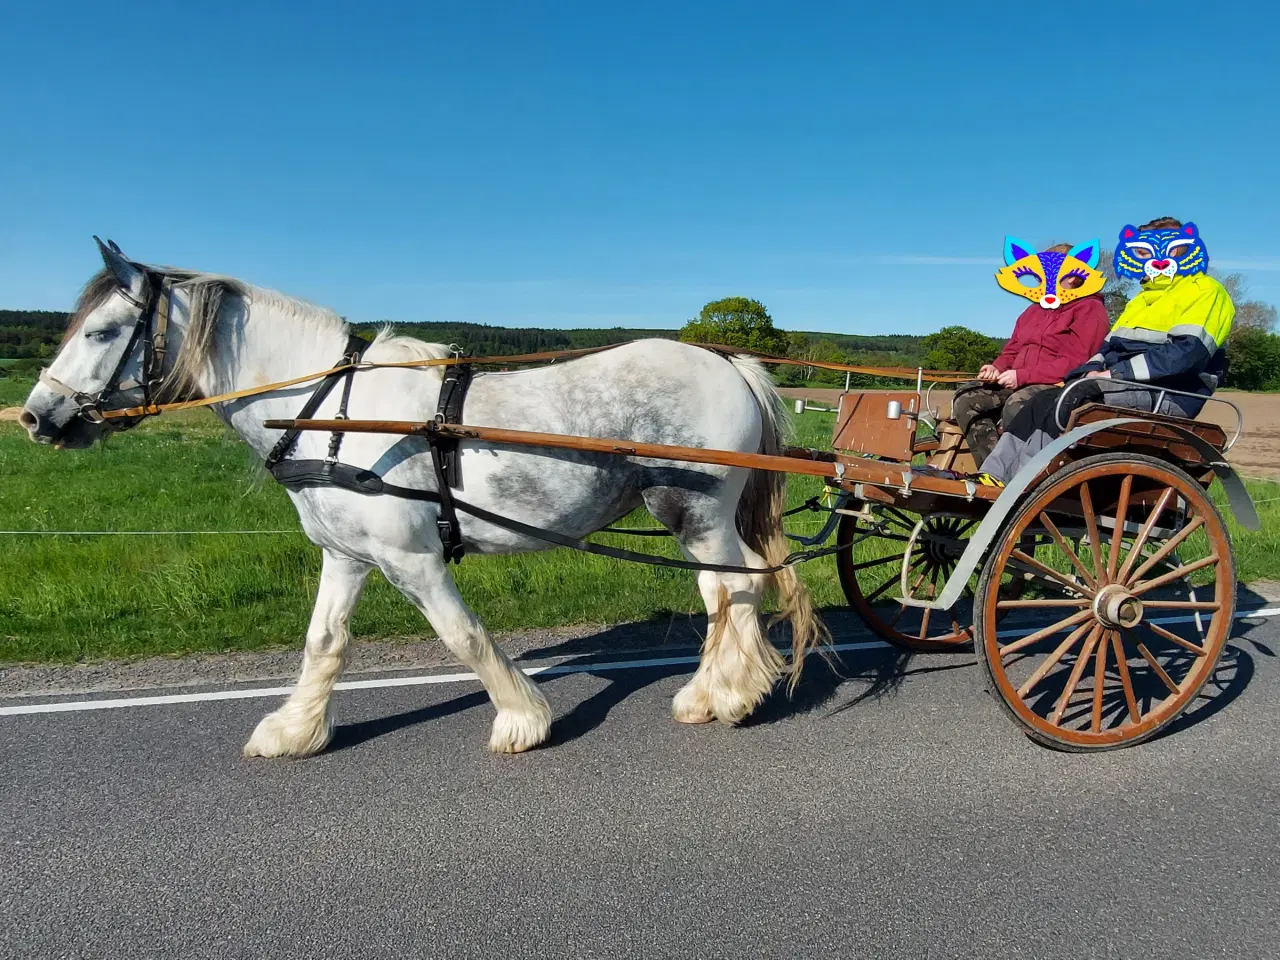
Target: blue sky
853, 166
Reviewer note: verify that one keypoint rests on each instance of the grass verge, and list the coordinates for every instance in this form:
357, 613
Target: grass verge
72, 597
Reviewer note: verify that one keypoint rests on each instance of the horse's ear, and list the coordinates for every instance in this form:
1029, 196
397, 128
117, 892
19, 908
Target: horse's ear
114, 246
127, 273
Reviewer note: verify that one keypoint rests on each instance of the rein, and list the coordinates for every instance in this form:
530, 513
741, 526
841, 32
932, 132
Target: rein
154, 409
149, 409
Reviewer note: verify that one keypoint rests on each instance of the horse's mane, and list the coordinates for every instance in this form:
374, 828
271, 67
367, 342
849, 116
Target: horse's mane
210, 293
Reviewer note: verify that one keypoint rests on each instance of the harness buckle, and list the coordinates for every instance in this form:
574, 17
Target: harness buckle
453, 550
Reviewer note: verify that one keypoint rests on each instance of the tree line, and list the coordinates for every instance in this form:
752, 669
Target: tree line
29, 338
1253, 349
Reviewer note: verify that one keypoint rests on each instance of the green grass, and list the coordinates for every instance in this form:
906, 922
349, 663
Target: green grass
80, 597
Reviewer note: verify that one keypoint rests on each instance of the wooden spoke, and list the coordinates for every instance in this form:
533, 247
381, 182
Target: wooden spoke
1122, 667
882, 588
1174, 638
1017, 604
1146, 655
1170, 545
897, 537
924, 622
1067, 549
1040, 677
1117, 535
863, 580
1099, 683
1136, 550
1048, 631
902, 519
919, 580
865, 564
1177, 574
1091, 524
1029, 561
1076, 673
1051, 661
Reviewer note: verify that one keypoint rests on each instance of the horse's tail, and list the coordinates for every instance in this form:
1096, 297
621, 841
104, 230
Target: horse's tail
760, 509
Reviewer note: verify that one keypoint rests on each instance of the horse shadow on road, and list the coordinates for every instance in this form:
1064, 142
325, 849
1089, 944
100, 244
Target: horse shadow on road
883, 670
876, 672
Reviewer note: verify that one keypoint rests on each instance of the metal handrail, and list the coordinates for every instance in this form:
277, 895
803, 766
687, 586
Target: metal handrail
1162, 391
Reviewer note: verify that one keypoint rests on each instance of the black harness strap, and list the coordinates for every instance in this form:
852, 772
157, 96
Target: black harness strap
444, 456
453, 394
329, 472
306, 473
355, 350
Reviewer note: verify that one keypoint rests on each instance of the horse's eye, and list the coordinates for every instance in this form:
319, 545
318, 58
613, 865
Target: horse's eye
102, 336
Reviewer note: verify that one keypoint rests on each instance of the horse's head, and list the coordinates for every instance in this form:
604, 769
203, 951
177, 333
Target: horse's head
111, 357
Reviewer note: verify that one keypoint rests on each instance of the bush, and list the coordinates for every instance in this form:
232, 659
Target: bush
1253, 357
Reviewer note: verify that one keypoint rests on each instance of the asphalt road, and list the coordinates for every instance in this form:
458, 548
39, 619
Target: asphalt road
913, 822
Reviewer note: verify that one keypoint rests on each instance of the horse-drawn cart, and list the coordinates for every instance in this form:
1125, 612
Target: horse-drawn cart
1097, 587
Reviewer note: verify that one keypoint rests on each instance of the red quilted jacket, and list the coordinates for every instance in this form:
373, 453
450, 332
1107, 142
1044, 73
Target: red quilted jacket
1047, 344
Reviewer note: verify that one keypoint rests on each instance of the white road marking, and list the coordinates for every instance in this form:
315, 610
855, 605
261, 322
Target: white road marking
78, 706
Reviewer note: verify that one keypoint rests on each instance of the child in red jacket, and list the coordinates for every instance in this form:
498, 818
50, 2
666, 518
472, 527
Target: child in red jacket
1063, 328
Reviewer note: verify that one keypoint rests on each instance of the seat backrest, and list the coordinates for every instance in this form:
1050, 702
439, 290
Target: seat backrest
863, 425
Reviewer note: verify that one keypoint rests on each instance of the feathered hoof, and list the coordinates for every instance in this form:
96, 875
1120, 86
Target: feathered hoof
516, 731
281, 735
689, 705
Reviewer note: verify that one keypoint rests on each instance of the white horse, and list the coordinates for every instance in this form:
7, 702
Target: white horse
224, 335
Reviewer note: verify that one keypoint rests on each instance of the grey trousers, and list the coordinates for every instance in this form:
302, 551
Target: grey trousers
980, 406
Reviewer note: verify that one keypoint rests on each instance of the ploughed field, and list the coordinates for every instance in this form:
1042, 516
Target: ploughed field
73, 595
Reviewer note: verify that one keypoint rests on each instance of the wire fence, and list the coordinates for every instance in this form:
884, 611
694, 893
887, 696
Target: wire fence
299, 533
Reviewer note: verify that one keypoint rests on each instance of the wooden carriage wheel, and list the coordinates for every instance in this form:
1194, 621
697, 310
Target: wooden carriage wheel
1139, 611
871, 577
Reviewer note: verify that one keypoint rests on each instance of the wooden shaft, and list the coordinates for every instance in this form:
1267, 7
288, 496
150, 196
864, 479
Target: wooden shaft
846, 470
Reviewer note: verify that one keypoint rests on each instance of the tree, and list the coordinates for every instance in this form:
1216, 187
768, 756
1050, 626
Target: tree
958, 348
1253, 357
1254, 314
1117, 291
737, 322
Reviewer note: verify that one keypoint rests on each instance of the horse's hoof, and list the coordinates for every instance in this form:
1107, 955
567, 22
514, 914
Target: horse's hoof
515, 731
690, 706
278, 735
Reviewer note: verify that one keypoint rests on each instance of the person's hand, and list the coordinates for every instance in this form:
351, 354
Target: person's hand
988, 372
1008, 379
1098, 373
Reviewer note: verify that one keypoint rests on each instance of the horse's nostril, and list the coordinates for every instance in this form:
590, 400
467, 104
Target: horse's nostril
27, 420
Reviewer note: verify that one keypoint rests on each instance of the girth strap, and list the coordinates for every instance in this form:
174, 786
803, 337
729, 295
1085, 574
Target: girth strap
310, 473
444, 456
453, 394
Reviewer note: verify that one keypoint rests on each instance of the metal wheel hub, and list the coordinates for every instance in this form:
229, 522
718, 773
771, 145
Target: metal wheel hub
1115, 607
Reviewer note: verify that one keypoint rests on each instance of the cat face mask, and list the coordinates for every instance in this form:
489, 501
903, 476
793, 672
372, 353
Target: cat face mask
1150, 254
1050, 279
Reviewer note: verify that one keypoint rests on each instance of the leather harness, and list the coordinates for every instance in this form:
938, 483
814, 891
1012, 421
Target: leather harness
151, 330
444, 451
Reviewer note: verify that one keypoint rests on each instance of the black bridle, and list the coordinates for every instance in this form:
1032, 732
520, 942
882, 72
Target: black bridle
150, 333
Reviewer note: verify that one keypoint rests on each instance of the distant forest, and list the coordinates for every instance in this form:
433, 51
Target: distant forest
29, 338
